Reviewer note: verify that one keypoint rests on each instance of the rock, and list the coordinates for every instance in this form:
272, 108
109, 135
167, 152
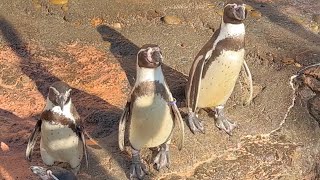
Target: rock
116, 25
257, 89
65, 8
297, 65
255, 14
316, 18
249, 8
314, 28
152, 14
220, 12
59, 2
4, 147
171, 20
288, 61
96, 21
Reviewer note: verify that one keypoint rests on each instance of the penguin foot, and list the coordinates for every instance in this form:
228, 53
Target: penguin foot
222, 122
195, 123
162, 158
226, 125
137, 170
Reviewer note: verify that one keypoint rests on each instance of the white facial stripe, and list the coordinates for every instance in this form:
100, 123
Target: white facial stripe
54, 90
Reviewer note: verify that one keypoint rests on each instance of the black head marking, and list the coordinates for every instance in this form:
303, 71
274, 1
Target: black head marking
149, 56
59, 93
234, 12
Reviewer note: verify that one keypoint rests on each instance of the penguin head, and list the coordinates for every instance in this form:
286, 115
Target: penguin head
44, 173
59, 94
234, 12
149, 56
55, 173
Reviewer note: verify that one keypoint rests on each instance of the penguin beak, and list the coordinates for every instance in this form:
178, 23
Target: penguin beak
157, 57
61, 101
240, 12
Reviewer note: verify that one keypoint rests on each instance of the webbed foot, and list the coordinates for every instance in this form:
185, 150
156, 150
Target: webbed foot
162, 158
137, 170
195, 123
222, 122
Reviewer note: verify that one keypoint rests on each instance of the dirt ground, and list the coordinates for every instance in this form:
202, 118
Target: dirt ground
92, 45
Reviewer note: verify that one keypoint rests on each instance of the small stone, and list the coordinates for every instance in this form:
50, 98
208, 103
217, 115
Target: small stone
314, 28
59, 2
4, 147
65, 7
288, 61
117, 25
257, 89
298, 19
96, 21
152, 14
297, 65
220, 12
211, 5
249, 8
171, 20
316, 18
255, 14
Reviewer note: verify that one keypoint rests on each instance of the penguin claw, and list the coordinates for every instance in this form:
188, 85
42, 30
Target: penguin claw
137, 170
226, 125
162, 160
195, 124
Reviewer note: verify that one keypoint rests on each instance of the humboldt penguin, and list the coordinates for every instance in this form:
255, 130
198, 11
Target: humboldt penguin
216, 68
53, 173
151, 112
61, 130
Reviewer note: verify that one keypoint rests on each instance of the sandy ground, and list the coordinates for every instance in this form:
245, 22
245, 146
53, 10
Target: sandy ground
92, 45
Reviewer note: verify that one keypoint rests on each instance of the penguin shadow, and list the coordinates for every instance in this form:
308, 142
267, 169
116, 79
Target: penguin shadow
126, 51
103, 117
282, 20
12, 137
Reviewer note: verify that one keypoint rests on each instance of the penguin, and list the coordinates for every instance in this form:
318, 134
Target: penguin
61, 130
216, 68
151, 111
53, 173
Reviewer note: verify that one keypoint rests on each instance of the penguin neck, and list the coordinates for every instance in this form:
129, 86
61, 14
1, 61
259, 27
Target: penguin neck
149, 74
57, 109
228, 30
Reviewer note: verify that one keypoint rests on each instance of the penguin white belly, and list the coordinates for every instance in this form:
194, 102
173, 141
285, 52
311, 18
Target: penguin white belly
151, 122
60, 143
220, 78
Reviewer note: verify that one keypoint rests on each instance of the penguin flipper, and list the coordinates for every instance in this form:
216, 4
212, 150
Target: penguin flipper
248, 77
179, 122
194, 82
33, 139
122, 125
83, 139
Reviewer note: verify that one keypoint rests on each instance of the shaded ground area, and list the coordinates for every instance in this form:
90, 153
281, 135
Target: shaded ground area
91, 45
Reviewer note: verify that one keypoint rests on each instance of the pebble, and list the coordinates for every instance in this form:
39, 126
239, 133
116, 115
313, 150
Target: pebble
65, 8
255, 14
249, 8
152, 14
4, 147
314, 28
117, 25
171, 20
96, 21
288, 61
316, 18
59, 2
257, 89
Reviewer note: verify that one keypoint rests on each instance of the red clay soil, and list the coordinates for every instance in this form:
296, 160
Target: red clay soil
91, 72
